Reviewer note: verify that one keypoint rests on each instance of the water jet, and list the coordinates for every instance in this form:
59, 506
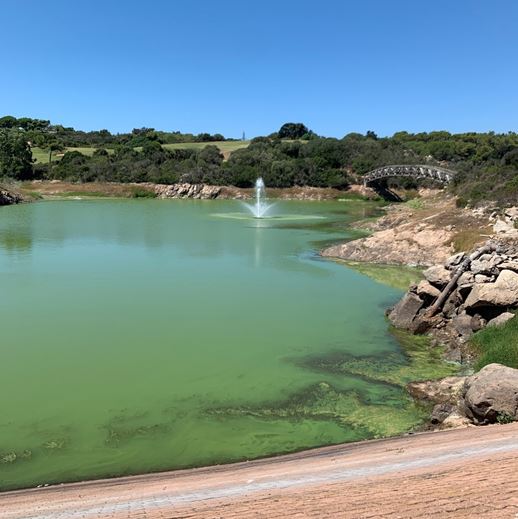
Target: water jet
260, 207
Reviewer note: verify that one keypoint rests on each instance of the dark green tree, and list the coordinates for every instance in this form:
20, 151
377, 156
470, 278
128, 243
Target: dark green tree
8, 121
15, 155
292, 131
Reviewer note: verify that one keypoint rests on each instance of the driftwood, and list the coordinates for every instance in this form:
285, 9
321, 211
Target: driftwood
441, 298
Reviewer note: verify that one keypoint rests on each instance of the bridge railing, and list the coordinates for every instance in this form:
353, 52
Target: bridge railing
416, 171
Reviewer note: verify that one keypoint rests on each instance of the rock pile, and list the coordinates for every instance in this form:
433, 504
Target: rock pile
463, 295
185, 190
8, 198
489, 396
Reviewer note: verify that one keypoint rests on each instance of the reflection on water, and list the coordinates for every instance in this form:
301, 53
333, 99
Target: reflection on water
15, 241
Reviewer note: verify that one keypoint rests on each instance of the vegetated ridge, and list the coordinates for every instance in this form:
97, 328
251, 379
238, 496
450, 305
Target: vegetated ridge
487, 163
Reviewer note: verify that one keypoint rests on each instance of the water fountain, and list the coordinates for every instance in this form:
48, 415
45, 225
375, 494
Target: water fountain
259, 208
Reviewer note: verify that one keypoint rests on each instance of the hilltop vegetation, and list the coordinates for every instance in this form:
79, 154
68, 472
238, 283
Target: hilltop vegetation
487, 163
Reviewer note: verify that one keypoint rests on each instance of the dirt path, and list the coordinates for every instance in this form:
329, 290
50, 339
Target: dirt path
459, 473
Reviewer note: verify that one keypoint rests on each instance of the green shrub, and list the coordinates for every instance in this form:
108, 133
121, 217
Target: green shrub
142, 193
497, 344
503, 418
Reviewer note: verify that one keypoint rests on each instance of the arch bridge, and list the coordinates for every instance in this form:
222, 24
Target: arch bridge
415, 171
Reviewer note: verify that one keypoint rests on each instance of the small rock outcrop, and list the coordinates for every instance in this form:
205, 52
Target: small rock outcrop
400, 245
489, 396
463, 295
185, 190
9, 198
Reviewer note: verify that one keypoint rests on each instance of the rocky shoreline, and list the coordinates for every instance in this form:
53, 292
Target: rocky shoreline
8, 197
461, 293
489, 396
454, 300
182, 190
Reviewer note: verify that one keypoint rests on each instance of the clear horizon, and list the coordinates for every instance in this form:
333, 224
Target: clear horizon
337, 67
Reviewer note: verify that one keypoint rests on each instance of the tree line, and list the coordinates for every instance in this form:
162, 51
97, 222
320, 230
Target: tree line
487, 163
41, 133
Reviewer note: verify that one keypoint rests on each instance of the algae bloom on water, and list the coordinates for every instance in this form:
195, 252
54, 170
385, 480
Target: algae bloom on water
166, 336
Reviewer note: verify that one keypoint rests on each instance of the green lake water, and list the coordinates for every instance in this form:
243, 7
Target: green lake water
148, 335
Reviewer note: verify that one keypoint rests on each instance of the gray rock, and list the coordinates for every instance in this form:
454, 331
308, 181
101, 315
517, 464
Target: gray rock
452, 304
185, 190
503, 292
503, 227
465, 284
483, 267
463, 324
482, 278
426, 290
501, 319
509, 265
464, 290
437, 275
455, 419
493, 259
446, 390
455, 260
8, 198
478, 322
492, 393
466, 278
440, 412
406, 310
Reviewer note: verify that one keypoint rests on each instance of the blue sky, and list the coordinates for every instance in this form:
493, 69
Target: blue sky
229, 66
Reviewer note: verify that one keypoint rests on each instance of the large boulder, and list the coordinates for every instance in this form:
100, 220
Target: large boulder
406, 310
492, 394
503, 292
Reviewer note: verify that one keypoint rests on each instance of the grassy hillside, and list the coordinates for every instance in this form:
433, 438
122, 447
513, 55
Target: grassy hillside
226, 147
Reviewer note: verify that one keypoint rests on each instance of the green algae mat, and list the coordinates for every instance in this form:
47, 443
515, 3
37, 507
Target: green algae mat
149, 335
